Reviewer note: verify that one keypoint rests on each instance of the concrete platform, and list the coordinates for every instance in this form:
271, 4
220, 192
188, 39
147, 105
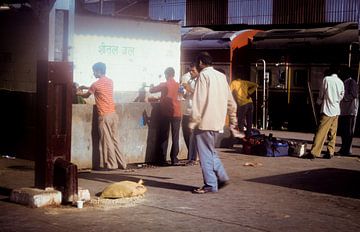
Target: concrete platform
274, 194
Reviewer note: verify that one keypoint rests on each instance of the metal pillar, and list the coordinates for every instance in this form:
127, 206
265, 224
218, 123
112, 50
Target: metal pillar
264, 103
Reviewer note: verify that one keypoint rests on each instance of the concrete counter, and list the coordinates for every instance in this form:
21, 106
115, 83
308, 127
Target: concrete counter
138, 131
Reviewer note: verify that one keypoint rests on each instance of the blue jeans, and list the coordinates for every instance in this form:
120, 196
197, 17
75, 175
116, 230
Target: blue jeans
189, 138
192, 155
212, 169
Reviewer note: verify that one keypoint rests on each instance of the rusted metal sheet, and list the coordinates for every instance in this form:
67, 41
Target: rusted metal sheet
313, 12
298, 11
66, 179
54, 96
255, 12
211, 12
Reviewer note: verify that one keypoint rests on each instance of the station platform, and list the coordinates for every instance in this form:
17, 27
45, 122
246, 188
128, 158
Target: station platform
264, 194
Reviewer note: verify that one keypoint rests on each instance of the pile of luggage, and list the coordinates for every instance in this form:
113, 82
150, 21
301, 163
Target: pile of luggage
262, 145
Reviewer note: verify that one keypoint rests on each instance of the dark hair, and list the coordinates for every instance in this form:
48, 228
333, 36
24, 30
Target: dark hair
192, 64
345, 73
99, 67
205, 58
169, 72
333, 69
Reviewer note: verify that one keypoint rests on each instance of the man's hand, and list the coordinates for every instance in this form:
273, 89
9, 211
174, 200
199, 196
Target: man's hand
80, 93
187, 87
236, 133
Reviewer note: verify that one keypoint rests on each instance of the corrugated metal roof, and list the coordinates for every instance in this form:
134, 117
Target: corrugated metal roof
344, 33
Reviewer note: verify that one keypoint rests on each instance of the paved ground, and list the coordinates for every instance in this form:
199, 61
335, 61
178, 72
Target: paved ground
277, 194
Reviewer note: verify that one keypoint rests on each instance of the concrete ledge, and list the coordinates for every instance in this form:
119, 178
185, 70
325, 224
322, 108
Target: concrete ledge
35, 198
139, 125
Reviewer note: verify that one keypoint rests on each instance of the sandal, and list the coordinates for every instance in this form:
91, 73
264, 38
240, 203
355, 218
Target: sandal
192, 163
202, 190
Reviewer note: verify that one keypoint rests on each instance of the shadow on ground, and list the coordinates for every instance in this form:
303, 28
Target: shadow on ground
5, 191
333, 181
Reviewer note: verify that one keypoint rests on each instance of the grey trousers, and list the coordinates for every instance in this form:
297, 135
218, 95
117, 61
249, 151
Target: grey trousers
110, 155
212, 169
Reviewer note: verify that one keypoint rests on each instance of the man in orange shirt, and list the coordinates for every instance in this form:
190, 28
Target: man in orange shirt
170, 110
110, 155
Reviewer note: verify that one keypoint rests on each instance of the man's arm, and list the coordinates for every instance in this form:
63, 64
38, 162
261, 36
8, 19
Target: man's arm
354, 90
252, 87
156, 89
231, 109
321, 93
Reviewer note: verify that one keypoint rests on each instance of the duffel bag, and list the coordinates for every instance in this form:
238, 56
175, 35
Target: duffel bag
277, 148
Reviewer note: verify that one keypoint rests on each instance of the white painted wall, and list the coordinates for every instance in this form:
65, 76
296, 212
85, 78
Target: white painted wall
134, 51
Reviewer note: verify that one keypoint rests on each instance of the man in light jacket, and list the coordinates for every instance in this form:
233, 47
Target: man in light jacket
212, 100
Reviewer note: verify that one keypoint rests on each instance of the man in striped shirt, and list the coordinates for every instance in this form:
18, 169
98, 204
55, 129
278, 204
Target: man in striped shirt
110, 155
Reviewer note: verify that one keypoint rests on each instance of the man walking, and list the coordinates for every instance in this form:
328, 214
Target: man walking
211, 101
111, 157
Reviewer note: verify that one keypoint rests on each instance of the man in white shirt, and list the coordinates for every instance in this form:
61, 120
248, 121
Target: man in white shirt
212, 100
331, 93
188, 81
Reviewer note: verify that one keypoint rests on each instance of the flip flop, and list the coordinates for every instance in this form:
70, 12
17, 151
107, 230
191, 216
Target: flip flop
202, 190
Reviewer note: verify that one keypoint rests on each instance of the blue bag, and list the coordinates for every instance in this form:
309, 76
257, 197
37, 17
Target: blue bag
276, 148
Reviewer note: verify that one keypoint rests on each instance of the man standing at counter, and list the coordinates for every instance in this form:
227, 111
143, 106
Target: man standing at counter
170, 111
110, 155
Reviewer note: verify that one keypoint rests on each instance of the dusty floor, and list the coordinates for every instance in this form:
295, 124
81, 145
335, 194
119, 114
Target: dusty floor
276, 194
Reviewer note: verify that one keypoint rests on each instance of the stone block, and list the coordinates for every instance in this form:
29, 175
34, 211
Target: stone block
35, 198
